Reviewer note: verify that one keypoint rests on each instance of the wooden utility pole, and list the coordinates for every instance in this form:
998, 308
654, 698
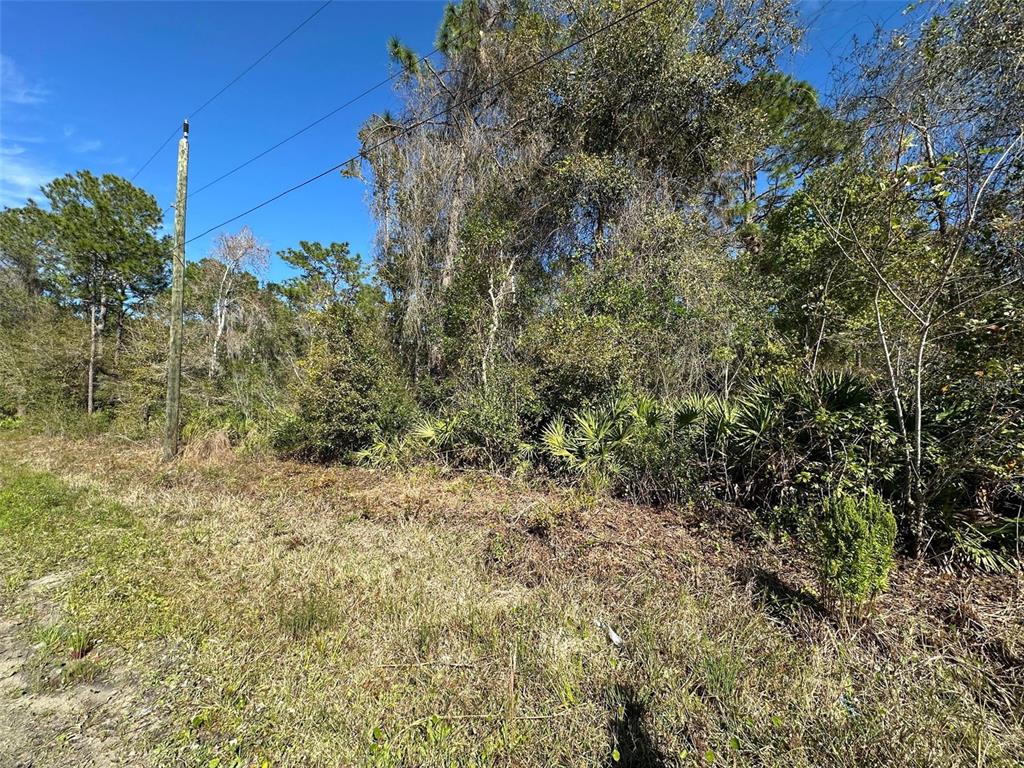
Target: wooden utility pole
177, 289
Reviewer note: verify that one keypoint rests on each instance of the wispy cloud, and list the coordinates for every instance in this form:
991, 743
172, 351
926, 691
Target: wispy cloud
20, 138
32, 144
20, 176
86, 145
15, 88
21, 170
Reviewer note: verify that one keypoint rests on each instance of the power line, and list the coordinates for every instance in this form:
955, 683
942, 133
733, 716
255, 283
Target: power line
238, 77
273, 48
413, 126
155, 153
408, 129
847, 37
302, 130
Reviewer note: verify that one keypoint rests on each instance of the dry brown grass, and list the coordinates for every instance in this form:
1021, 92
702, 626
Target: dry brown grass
211, 448
335, 616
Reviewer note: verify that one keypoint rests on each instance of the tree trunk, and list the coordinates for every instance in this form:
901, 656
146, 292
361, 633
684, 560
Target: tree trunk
497, 299
91, 385
912, 512
917, 506
220, 316
97, 319
119, 337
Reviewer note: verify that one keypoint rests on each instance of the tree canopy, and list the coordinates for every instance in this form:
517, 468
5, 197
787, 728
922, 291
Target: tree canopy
658, 265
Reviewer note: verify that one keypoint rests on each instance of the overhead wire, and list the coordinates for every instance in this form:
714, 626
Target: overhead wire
230, 83
308, 126
416, 124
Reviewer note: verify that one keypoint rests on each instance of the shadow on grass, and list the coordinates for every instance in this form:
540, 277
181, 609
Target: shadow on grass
775, 597
628, 733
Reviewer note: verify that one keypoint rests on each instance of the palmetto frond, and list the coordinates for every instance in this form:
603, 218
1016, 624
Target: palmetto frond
648, 414
756, 415
591, 428
840, 390
721, 415
384, 452
434, 433
691, 409
556, 441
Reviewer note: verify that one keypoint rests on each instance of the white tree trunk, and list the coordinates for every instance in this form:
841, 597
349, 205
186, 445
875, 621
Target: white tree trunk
93, 337
220, 317
97, 320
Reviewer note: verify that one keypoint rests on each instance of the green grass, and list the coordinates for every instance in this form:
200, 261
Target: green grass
262, 630
110, 561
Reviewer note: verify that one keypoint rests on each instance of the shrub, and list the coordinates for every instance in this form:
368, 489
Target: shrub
225, 419
786, 439
591, 446
489, 426
42, 364
352, 390
853, 543
475, 427
488, 437
635, 446
578, 360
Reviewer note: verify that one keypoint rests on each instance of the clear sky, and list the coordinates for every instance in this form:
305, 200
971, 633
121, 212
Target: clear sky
101, 85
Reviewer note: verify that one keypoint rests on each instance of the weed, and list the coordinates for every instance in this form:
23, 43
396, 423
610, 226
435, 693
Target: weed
79, 644
854, 547
301, 617
80, 671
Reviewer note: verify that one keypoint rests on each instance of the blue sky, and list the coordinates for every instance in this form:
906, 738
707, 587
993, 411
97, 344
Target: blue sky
100, 85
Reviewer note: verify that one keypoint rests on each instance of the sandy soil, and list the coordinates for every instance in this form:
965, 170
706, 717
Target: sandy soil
41, 724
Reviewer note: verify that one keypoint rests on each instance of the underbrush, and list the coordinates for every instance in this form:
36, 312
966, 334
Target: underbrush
294, 616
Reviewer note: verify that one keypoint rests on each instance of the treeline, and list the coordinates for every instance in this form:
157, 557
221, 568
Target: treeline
655, 266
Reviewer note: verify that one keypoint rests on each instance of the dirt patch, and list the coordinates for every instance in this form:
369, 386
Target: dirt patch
51, 728
43, 722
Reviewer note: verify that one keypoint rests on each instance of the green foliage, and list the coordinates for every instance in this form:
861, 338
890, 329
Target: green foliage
226, 419
42, 365
351, 388
853, 546
94, 256
994, 548
477, 427
459, 30
388, 452
783, 440
789, 437
105, 233
590, 448
25, 237
578, 360
491, 426
797, 134
327, 274
798, 299
635, 446
403, 56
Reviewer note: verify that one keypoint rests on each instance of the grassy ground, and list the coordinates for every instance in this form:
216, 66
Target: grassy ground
254, 612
